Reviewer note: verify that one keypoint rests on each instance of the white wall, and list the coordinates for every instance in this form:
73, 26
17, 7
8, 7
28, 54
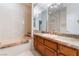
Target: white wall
28, 18
72, 17
11, 22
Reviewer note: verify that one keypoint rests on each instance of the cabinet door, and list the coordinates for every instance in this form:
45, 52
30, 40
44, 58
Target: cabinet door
40, 48
67, 50
51, 44
49, 52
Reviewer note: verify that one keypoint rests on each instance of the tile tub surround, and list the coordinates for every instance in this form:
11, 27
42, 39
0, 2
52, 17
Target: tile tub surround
71, 42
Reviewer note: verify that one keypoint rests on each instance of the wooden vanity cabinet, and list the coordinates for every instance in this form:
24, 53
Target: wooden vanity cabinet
46, 47
38, 44
67, 51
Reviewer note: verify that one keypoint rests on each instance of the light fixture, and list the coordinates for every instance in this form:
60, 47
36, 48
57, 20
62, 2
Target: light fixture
55, 5
49, 4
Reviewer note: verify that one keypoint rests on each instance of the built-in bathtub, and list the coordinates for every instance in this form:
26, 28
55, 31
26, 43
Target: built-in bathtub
15, 50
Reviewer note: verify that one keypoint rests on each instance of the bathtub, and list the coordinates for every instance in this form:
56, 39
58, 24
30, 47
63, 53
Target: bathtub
15, 50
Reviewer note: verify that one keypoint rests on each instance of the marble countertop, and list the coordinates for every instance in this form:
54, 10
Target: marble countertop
68, 41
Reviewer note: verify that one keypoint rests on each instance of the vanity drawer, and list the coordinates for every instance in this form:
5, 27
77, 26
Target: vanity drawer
51, 44
67, 50
50, 52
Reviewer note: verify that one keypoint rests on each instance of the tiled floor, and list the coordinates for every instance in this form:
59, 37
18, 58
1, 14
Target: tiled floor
20, 50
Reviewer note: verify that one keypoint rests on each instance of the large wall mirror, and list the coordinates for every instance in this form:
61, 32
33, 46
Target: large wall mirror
40, 18
58, 17
64, 18
57, 14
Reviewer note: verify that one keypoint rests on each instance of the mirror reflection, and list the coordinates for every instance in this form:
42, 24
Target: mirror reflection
57, 17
